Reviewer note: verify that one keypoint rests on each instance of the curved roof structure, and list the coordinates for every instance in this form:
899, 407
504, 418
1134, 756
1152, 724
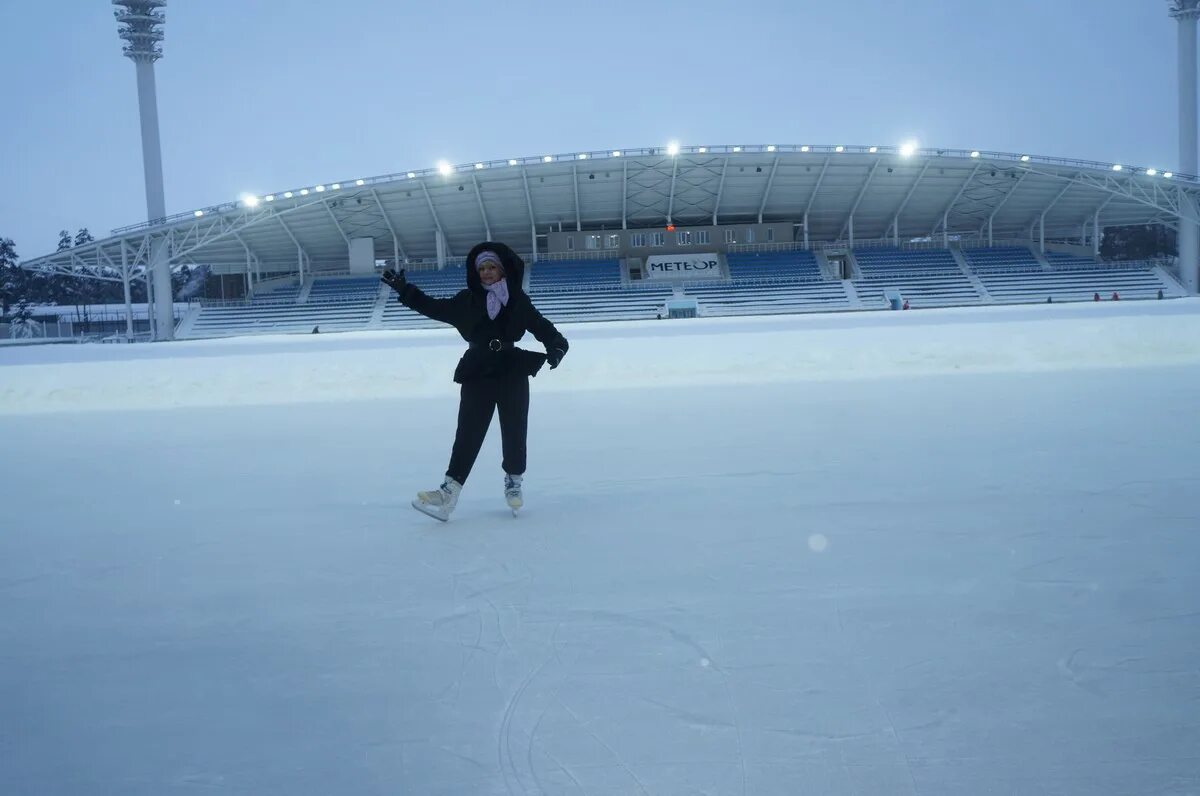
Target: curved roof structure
831, 192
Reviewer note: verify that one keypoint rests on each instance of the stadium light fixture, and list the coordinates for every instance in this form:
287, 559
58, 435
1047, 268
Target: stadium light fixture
304, 192
444, 168
198, 213
412, 175
547, 159
702, 150
583, 156
873, 150
337, 186
270, 197
908, 149
975, 153
1024, 158
1152, 172
770, 147
839, 148
249, 201
673, 148
804, 148
287, 194
737, 149
479, 165
1168, 175
320, 189
512, 161
1117, 167
616, 153
360, 182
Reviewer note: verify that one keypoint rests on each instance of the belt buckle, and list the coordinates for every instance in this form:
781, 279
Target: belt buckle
494, 344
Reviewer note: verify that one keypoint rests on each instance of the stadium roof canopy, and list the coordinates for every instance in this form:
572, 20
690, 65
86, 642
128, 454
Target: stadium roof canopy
842, 192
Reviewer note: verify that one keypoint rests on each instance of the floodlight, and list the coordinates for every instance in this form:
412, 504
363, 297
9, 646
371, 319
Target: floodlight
804, 148
1024, 158
873, 149
249, 201
908, 149
547, 159
616, 153
770, 147
412, 174
1117, 167
270, 197
512, 161
287, 195
320, 189
444, 168
702, 150
737, 149
360, 182
673, 148
337, 186
975, 153
198, 213
304, 192
583, 156
1168, 175
479, 165
839, 148
1152, 172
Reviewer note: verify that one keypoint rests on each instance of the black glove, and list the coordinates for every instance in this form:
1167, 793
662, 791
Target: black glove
554, 356
395, 280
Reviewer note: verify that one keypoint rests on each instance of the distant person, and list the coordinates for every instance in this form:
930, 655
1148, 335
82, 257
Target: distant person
1116, 296
491, 314
1096, 296
1160, 294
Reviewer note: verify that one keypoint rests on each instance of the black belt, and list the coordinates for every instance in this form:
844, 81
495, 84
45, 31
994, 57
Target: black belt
493, 345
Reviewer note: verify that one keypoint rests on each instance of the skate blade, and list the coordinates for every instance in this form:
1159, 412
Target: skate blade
437, 512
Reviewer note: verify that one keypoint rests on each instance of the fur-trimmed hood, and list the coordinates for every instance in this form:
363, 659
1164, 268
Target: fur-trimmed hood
514, 266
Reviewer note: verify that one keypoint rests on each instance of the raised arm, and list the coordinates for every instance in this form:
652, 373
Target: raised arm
412, 297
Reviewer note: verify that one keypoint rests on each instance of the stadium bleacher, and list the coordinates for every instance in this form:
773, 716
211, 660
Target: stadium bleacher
550, 275
799, 264
761, 283
925, 277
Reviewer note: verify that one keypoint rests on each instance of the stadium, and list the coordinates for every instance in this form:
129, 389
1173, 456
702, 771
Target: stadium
792, 228
865, 470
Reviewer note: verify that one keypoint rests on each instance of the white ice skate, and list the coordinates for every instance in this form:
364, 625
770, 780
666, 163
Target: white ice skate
438, 503
512, 492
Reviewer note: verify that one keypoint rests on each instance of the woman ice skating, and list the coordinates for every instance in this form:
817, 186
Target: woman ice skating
492, 314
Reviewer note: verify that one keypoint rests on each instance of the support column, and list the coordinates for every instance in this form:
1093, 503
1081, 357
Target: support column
125, 285
806, 230
1096, 234
1185, 13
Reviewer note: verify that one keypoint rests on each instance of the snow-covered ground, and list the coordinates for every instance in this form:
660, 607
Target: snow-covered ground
940, 552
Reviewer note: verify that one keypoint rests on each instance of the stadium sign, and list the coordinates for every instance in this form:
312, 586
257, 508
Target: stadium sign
683, 266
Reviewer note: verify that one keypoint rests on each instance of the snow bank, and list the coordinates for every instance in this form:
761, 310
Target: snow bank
699, 352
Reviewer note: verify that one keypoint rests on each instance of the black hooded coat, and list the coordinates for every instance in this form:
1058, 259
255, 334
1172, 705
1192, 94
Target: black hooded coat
466, 311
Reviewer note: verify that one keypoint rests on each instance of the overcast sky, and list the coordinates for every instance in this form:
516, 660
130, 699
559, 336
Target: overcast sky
269, 95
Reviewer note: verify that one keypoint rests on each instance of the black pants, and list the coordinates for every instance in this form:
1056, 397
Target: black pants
481, 397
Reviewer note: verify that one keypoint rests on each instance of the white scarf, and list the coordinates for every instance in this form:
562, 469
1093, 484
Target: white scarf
497, 297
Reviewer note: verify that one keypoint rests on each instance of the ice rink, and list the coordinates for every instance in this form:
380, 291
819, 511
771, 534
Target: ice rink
943, 552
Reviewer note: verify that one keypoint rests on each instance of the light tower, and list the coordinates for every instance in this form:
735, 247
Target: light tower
1186, 13
140, 25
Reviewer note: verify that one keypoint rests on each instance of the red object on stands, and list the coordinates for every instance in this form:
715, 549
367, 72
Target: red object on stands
1116, 297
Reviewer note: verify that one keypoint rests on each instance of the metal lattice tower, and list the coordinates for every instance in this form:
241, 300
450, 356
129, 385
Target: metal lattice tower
140, 25
1186, 12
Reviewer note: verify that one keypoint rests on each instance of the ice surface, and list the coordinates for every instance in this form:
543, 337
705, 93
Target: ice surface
972, 571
